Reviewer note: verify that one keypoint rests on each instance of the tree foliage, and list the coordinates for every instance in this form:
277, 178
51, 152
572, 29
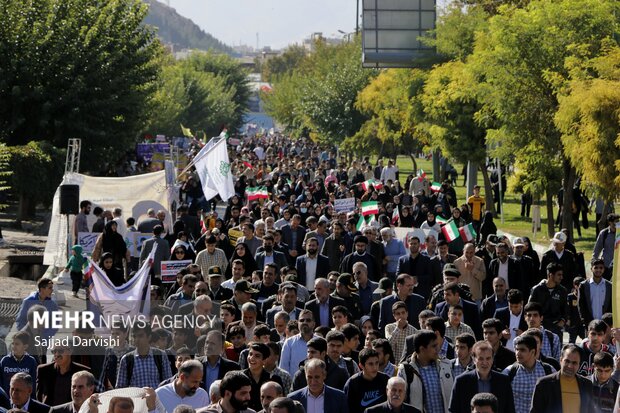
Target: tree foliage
284, 64
76, 69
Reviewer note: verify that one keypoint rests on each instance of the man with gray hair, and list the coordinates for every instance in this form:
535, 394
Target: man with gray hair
214, 391
121, 227
82, 387
316, 396
269, 392
396, 395
249, 313
20, 392
185, 389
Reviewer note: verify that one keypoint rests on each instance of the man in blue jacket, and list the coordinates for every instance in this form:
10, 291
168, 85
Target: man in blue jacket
316, 396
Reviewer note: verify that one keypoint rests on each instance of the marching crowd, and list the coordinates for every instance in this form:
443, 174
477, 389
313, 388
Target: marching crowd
317, 309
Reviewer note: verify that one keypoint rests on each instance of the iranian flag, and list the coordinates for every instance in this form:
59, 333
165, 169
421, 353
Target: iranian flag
468, 233
450, 231
252, 193
262, 192
441, 220
369, 208
435, 187
376, 184
421, 175
247, 164
395, 216
360, 223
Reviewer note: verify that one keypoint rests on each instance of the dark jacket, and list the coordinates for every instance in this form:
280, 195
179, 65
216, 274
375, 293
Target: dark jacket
415, 305
37, 407
225, 366
585, 301
336, 376
503, 315
515, 277
271, 313
503, 358
555, 304
334, 399
313, 305
46, 382
548, 395
466, 387
279, 259
63, 408
471, 316
420, 267
322, 268
385, 408
287, 237
488, 308
568, 266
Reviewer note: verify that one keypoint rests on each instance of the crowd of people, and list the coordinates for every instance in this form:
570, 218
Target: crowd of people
313, 309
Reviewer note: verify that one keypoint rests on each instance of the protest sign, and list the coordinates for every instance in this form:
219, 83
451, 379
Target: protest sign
169, 269
134, 242
344, 205
88, 240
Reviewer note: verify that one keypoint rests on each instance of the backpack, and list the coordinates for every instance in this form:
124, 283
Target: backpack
158, 356
409, 373
512, 372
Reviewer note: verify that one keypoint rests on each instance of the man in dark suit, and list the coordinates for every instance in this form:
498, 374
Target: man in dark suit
293, 234
333, 400
307, 273
82, 387
512, 272
512, 318
396, 395
269, 254
588, 296
323, 304
61, 369
21, 392
404, 292
481, 380
471, 317
548, 395
419, 266
441, 259
496, 301
528, 267
215, 366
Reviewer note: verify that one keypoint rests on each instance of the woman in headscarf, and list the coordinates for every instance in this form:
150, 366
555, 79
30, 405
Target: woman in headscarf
531, 252
486, 228
112, 242
430, 222
406, 217
243, 253
115, 274
188, 250
181, 253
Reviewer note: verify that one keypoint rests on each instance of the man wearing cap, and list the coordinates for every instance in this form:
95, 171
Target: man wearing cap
268, 255
605, 244
311, 265
450, 274
526, 265
212, 256
559, 255
472, 270
346, 290
595, 294
242, 294
417, 265
360, 254
216, 291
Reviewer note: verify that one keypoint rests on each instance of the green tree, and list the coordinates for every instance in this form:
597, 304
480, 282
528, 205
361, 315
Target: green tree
283, 64
76, 69
452, 107
521, 58
589, 119
235, 79
392, 101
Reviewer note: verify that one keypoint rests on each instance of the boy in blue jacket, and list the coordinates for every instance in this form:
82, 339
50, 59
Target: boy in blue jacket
18, 361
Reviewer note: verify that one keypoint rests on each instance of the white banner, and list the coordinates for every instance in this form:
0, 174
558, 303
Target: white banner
133, 194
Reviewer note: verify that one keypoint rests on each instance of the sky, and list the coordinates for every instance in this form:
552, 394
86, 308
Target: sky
278, 22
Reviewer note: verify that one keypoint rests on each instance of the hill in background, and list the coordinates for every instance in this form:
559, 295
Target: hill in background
180, 31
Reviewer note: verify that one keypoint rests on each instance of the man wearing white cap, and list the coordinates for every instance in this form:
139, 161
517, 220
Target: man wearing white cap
559, 255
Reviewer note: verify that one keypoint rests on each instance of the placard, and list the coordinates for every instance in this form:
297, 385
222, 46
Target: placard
344, 205
88, 240
134, 241
169, 269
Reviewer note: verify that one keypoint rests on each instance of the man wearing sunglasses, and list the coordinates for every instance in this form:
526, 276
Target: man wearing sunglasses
54, 379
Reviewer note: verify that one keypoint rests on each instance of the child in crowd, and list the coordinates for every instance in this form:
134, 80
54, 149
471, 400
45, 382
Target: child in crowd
75, 265
454, 326
17, 361
236, 336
